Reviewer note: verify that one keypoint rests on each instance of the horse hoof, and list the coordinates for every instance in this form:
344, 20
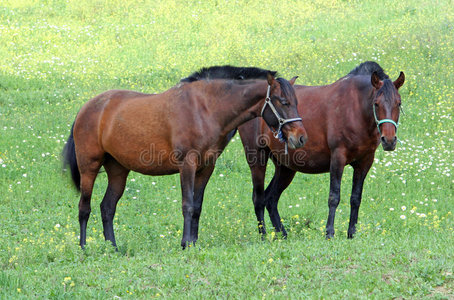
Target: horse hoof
351, 233
185, 245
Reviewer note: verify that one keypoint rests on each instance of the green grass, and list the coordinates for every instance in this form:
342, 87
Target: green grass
55, 55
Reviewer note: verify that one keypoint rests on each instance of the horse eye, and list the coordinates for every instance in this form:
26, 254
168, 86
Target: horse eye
284, 101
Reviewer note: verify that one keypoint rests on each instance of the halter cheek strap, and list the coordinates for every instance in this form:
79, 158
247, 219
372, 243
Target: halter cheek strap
278, 133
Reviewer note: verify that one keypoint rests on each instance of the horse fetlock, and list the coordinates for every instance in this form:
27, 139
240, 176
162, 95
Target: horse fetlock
351, 231
284, 232
261, 228
329, 233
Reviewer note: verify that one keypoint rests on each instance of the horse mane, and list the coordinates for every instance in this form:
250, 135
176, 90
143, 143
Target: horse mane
228, 72
237, 73
369, 67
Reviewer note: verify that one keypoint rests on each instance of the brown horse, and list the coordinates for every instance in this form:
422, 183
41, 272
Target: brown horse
182, 130
345, 123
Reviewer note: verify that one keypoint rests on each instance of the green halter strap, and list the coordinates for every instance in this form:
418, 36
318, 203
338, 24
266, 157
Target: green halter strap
379, 122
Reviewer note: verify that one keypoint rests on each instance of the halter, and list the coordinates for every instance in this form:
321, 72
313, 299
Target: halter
277, 133
379, 122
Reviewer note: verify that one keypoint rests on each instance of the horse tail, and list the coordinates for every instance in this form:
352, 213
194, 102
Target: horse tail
69, 158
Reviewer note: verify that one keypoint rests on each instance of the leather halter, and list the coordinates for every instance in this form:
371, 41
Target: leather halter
277, 133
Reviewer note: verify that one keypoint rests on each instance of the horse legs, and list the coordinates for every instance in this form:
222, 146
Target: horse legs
360, 171
187, 179
336, 169
257, 166
116, 175
201, 180
257, 154
283, 176
258, 196
87, 179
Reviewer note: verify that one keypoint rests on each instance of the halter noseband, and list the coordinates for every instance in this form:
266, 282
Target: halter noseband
277, 133
379, 122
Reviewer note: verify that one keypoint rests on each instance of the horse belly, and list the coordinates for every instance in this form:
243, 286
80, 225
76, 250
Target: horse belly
155, 162
306, 162
139, 148
313, 158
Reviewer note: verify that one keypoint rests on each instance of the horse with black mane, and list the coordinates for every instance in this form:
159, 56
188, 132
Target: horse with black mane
182, 130
345, 122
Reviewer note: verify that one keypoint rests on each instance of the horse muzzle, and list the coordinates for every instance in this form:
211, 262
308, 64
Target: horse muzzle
389, 144
296, 141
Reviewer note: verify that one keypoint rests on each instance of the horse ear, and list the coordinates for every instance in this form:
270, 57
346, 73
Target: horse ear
399, 81
375, 80
270, 78
292, 81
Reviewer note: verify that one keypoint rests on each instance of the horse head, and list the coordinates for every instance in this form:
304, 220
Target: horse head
386, 108
280, 112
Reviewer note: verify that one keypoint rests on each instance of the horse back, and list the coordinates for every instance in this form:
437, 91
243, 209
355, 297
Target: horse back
91, 119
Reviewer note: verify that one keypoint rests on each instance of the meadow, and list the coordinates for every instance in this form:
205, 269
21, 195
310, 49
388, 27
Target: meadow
56, 55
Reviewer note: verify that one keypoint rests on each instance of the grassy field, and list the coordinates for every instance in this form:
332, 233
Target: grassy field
55, 55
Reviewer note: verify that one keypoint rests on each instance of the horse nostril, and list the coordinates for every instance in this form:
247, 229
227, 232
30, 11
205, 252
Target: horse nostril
383, 139
395, 139
302, 140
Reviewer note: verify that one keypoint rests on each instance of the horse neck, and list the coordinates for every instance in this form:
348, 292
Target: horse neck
242, 104
366, 96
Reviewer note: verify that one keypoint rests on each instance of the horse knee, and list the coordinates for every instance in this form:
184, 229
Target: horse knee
355, 202
188, 210
333, 201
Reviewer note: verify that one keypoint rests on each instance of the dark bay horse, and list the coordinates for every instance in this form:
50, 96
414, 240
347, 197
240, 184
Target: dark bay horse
345, 122
182, 130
